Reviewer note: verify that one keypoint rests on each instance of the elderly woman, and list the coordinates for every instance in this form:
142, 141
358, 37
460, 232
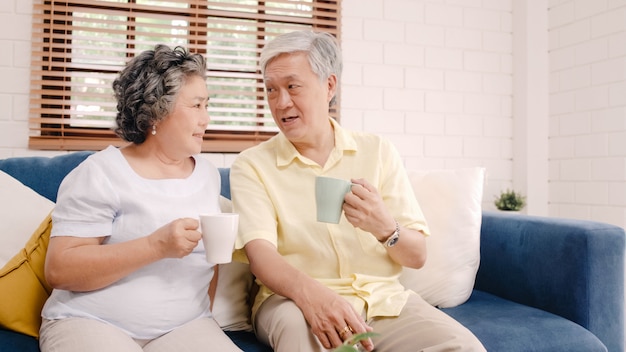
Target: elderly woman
125, 257
322, 283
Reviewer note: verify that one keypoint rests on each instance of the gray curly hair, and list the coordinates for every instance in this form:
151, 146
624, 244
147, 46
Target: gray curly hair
321, 48
146, 88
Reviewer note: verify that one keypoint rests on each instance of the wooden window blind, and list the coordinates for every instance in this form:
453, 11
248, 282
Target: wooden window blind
78, 48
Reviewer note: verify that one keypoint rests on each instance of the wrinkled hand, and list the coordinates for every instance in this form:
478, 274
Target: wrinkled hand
332, 319
176, 239
364, 208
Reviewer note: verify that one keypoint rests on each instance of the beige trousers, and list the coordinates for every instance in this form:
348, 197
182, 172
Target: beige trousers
419, 327
81, 334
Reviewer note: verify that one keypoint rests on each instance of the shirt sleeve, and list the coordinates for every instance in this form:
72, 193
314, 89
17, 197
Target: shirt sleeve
86, 203
257, 216
397, 192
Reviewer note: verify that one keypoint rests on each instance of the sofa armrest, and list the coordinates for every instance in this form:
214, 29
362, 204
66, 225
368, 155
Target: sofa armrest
572, 268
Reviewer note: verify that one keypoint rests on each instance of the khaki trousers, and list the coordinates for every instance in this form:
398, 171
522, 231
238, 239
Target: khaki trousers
419, 327
81, 334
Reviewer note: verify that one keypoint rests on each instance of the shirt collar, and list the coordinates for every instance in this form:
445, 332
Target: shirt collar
287, 153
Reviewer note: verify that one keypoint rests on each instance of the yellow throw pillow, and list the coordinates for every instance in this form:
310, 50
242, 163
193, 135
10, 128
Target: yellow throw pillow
23, 287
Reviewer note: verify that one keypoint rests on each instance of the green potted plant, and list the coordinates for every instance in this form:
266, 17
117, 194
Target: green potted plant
350, 345
510, 200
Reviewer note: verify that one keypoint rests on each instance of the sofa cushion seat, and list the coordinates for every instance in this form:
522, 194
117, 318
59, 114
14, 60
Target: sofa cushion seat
247, 341
11, 341
491, 318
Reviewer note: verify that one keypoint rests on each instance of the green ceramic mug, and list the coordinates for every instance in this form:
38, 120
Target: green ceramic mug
329, 194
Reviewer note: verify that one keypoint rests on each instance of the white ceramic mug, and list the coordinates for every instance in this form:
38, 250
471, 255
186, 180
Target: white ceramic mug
219, 232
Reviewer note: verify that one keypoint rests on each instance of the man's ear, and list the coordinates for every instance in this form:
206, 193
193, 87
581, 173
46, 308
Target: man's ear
332, 87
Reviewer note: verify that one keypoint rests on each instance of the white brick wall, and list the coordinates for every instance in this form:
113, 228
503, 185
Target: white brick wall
588, 110
440, 72
15, 30
437, 77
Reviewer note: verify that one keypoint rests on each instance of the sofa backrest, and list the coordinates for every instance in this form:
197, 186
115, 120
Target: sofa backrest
44, 174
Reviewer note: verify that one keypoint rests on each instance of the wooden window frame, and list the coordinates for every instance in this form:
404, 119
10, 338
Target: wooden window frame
54, 102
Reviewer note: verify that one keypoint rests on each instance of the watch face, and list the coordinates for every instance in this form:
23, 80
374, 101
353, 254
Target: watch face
393, 241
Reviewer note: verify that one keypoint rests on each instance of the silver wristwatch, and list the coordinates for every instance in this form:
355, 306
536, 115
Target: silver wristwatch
393, 239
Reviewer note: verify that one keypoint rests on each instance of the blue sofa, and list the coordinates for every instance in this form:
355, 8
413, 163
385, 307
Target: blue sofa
544, 284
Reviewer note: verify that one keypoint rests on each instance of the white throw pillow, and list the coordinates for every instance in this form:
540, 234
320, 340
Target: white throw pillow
230, 305
21, 212
451, 203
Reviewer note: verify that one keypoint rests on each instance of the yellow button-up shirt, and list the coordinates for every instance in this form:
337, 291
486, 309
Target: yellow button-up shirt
273, 190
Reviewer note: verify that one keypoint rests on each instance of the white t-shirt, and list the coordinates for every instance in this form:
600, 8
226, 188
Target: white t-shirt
103, 196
